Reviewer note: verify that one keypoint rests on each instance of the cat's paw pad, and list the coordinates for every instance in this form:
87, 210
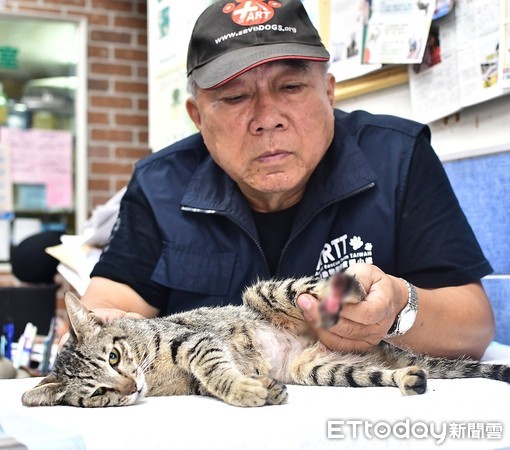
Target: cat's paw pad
414, 381
276, 393
247, 392
341, 289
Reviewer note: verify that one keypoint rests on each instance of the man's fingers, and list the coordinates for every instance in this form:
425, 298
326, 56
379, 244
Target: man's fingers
310, 307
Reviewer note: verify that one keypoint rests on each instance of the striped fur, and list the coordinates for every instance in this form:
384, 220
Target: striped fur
242, 355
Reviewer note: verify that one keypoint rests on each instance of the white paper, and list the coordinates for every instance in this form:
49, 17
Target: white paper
467, 73
504, 44
398, 30
347, 22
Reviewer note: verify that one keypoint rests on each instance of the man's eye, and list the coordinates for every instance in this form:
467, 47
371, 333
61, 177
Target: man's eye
292, 87
232, 100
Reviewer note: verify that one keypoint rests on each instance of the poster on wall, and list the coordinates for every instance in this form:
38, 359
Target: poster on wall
170, 23
347, 23
460, 67
504, 44
397, 31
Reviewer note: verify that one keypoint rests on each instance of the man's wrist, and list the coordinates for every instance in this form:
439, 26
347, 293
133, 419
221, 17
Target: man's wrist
406, 317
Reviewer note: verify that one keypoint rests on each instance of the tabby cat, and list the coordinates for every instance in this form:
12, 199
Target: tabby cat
242, 355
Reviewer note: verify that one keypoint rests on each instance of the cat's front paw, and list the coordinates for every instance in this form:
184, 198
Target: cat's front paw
276, 392
341, 288
247, 391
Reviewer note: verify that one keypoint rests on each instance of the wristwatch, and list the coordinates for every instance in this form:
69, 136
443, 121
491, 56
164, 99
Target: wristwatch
405, 320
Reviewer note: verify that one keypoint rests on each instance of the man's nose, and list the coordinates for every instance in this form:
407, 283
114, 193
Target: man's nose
268, 115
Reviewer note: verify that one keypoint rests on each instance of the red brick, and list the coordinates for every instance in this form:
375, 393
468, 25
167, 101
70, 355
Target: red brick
132, 119
110, 36
108, 101
100, 118
99, 184
112, 168
142, 39
110, 69
117, 5
96, 51
133, 87
97, 85
130, 54
111, 135
101, 151
134, 153
143, 104
143, 137
98, 19
142, 72
130, 22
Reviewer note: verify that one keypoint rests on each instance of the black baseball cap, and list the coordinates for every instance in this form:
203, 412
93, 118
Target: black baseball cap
232, 37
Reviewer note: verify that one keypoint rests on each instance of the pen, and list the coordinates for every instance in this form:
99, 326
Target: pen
8, 330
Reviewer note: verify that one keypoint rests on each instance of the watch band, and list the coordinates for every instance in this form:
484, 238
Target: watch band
406, 318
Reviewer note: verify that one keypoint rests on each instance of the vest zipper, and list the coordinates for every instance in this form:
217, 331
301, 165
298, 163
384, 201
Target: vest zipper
212, 211
340, 199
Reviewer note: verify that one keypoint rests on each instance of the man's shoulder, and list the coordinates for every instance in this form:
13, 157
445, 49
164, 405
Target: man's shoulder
184, 152
358, 121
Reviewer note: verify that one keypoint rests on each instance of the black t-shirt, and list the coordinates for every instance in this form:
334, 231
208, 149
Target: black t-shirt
274, 230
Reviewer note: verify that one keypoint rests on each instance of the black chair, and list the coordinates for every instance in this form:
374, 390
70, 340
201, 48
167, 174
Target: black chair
35, 301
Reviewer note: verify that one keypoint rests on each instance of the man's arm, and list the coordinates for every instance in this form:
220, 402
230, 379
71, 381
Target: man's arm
451, 321
104, 294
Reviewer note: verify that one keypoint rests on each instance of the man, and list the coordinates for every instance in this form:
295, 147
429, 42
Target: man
278, 183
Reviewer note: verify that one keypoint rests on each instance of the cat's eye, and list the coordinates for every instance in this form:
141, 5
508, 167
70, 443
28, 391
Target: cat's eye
99, 391
114, 357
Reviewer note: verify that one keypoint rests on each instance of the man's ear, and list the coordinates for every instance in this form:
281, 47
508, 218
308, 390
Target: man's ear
193, 112
330, 88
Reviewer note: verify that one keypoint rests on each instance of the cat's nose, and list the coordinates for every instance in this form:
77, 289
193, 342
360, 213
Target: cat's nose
129, 388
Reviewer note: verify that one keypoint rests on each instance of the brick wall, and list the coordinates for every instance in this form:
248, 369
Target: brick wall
117, 85
117, 88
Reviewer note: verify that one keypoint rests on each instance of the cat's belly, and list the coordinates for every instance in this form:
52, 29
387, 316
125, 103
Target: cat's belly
279, 348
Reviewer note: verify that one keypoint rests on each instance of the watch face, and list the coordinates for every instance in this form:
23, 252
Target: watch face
407, 319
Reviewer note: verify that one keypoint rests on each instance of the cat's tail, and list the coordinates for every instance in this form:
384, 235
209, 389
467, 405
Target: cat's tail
435, 367
465, 368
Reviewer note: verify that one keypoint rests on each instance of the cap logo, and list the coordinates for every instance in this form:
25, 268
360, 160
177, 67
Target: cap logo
251, 12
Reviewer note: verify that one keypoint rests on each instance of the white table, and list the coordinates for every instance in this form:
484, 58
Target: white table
205, 423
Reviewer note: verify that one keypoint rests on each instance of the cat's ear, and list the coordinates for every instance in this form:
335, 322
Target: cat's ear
83, 321
47, 393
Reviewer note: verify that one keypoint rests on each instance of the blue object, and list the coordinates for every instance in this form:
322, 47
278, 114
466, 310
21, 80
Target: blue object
8, 331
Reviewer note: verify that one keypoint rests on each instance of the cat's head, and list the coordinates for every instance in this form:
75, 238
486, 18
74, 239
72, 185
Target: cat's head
95, 368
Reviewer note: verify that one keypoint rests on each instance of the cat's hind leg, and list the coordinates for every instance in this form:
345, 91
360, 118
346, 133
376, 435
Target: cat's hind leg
212, 365
315, 367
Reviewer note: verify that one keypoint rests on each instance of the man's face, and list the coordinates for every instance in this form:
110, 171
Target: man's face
268, 129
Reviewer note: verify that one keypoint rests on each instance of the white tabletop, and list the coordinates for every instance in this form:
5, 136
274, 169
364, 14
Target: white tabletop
470, 407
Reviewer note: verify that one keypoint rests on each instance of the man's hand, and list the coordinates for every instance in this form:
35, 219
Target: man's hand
362, 325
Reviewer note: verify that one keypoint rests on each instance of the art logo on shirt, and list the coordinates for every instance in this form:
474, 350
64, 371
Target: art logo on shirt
342, 252
251, 12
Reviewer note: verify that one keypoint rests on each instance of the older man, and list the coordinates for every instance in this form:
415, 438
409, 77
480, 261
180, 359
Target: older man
279, 183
